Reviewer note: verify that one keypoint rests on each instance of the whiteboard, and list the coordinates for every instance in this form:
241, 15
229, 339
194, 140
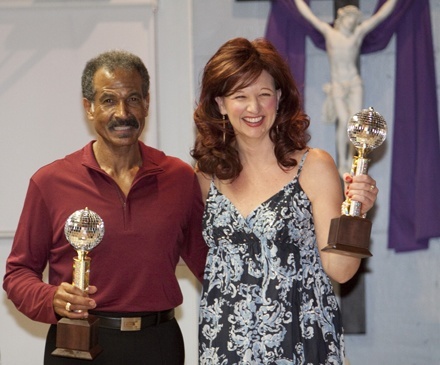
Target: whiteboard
43, 50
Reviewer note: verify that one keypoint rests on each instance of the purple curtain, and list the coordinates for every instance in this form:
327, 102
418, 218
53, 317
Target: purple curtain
415, 176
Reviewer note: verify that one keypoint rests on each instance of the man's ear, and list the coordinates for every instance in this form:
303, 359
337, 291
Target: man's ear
147, 103
89, 108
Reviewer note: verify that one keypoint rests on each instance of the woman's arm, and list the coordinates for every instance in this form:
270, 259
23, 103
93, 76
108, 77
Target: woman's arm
321, 182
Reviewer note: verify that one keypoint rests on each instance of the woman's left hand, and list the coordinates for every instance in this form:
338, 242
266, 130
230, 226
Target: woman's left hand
361, 188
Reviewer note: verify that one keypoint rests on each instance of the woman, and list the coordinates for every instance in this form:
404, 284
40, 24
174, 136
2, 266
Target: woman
267, 296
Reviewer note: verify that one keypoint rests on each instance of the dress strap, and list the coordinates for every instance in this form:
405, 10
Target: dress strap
301, 164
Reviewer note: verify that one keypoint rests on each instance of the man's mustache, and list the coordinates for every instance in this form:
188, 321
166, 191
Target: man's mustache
128, 122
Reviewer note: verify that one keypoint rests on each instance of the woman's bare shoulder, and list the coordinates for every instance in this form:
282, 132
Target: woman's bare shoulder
204, 182
319, 172
318, 159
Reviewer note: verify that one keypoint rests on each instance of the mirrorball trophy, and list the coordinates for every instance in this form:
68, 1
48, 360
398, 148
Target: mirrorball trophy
78, 338
350, 233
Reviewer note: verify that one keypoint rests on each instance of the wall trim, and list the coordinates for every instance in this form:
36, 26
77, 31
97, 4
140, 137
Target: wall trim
7, 234
45, 4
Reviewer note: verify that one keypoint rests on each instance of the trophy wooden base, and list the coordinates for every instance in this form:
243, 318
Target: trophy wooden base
349, 236
77, 338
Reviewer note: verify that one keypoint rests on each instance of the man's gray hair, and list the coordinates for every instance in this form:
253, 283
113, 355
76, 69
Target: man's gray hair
112, 60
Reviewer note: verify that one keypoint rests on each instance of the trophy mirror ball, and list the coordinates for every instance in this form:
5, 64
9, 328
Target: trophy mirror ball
84, 230
78, 338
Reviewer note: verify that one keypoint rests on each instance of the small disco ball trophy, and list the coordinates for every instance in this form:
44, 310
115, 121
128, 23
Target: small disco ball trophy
78, 338
350, 233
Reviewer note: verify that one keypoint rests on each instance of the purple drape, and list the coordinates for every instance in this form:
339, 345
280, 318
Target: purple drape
415, 176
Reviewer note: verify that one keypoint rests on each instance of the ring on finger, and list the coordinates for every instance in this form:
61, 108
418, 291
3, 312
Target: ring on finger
68, 305
372, 187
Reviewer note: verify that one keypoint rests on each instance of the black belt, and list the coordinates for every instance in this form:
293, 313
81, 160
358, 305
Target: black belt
135, 323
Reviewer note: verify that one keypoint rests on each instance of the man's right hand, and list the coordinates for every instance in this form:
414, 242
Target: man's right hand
72, 302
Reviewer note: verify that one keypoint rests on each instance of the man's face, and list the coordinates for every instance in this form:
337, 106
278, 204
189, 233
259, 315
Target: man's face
349, 21
119, 110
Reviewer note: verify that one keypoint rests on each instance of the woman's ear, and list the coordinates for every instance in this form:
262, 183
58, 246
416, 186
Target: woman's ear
278, 98
221, 104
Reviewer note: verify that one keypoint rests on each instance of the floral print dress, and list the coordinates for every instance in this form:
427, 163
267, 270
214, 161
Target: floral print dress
266, 298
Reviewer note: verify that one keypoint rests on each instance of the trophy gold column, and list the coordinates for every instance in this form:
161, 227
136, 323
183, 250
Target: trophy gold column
350, 233
78, 338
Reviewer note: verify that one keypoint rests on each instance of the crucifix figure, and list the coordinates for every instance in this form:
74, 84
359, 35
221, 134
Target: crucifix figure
343, 42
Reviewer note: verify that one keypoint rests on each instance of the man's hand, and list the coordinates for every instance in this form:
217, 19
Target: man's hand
70, 301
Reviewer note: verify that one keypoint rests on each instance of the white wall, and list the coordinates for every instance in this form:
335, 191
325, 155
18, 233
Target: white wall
403, 320
44, 48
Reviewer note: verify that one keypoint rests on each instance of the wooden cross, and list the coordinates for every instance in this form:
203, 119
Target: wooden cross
341, 3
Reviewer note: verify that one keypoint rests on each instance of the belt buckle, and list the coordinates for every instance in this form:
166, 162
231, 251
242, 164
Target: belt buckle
131, 323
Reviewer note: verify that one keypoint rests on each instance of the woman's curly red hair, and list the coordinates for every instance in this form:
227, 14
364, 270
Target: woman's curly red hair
237, 64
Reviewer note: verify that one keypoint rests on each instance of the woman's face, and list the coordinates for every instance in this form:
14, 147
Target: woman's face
252, 110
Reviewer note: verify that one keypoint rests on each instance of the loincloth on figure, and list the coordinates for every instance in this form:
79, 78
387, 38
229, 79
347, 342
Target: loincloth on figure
340, 90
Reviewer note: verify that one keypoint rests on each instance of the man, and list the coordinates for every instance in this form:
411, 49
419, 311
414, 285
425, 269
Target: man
151, 207
343, 44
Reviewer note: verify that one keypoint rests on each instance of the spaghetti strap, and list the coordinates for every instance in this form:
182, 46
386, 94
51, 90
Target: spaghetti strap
301, 164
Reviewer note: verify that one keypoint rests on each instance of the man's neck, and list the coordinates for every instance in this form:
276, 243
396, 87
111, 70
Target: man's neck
117, 160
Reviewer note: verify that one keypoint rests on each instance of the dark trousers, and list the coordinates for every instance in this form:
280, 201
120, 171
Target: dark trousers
154, 345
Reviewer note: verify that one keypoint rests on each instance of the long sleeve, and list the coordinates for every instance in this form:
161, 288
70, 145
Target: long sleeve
28, 259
